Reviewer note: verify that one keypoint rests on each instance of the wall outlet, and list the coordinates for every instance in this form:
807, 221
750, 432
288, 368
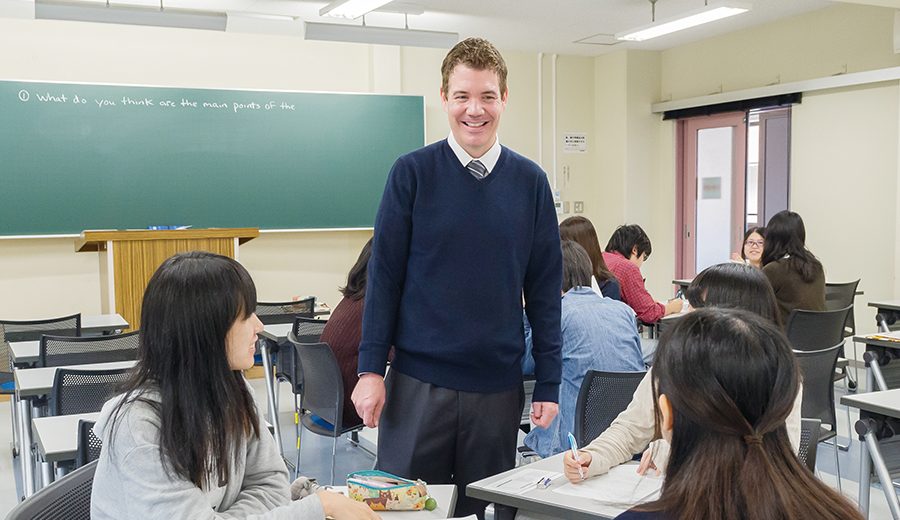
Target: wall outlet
566, 207
579, 206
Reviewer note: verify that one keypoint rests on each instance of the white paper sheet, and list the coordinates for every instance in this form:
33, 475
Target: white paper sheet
622, 485
523, 481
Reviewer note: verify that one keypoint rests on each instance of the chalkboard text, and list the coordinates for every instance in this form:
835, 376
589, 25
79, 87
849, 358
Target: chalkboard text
126, 101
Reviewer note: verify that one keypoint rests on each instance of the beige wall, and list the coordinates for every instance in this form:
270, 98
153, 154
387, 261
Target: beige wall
42, 277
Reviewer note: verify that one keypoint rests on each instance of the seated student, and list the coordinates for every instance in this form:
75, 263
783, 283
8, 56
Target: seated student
724, 385
796, 275
752, 247
185, 439
724, 285
597, 333
626, 251
580, 230
344, 330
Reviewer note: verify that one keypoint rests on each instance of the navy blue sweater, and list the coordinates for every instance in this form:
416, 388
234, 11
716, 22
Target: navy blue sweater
451, 258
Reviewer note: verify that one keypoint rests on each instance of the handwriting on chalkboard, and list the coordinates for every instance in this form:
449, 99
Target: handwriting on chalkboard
126, 102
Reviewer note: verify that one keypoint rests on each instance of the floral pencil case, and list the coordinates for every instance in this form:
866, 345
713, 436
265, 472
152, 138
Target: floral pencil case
385, 492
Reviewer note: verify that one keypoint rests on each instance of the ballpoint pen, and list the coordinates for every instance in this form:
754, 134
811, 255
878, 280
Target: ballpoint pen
575, 454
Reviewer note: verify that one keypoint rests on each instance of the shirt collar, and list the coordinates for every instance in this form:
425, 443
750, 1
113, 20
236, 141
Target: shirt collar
489, 159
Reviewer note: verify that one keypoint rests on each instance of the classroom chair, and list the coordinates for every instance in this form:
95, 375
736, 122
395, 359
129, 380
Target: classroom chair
816, 330
61, 351
68, 498
83, 391
322, 399
809, 428
28, 330
817, 370
602, 397
838, 296
284, 312
89, 445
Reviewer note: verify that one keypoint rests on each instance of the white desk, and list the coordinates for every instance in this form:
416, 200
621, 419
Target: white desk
444, 494
543, 502
26, 352
57, 437
31, 383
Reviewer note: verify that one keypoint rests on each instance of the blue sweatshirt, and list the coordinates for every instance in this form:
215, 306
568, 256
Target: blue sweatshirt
451, 258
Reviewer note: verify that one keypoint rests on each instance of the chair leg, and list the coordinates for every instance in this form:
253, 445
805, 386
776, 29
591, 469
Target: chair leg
297, 423
837, 465
333, 456
849, 424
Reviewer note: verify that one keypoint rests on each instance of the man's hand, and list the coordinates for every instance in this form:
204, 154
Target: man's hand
542, 413
368, 398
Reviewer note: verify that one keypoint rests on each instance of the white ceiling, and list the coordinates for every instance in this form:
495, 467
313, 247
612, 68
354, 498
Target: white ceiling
562, 26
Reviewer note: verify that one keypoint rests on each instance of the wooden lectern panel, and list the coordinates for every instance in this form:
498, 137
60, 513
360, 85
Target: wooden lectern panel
134, 262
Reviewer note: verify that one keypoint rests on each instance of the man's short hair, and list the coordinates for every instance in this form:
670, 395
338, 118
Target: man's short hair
477, 54
576, 266
626, 237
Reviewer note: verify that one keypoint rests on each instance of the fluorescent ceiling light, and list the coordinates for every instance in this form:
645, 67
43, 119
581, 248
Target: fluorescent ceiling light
710, 13
379, 35
351, 8
128, 15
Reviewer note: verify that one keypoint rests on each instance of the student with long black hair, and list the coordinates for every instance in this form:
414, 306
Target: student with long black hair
184, 439
580, 230
724, 384
796, 275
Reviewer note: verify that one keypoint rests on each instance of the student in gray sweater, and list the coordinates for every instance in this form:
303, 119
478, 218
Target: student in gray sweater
184, 439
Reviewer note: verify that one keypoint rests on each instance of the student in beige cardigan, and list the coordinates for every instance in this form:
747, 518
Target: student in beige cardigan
724, 285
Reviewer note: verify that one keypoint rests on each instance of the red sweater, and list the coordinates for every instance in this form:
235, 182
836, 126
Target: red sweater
343, 334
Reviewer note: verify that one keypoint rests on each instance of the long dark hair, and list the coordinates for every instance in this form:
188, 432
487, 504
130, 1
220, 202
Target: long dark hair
736, 286
628, 236
759, 230
732, 380
786, 235
581, 231
205, 408
356, 280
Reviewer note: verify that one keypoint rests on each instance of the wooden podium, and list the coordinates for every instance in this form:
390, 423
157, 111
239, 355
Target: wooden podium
129, 258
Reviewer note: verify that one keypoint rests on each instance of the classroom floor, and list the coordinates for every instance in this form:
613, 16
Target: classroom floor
316, 456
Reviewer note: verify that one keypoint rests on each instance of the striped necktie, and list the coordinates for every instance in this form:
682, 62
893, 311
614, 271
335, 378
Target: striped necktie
477, 169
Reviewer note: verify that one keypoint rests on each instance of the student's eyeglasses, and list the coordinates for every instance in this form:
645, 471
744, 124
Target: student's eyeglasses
756, 243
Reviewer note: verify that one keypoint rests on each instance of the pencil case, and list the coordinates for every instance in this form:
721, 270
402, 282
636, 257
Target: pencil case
385, 492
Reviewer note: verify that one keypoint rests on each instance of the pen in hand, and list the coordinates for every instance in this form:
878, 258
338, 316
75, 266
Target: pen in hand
575, 454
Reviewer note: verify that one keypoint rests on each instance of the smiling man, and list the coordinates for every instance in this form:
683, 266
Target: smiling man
466, 227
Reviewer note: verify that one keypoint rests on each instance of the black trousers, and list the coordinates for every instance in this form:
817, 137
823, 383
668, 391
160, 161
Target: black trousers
445, 436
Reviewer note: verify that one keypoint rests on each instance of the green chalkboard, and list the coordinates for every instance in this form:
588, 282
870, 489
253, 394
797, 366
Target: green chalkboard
81, 156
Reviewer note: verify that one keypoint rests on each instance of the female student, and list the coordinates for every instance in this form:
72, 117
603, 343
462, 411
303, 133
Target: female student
724, 385
723, 285
797, 276
752, 249
344, 330
581, 231
184, 439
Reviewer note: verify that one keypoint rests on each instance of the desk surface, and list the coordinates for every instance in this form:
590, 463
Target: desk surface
875, 342
277, 332
57, 437
39, 381
883, 403
28, 351
893, 305
543, 501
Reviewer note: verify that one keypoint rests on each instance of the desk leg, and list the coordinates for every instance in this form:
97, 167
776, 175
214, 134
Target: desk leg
270, 392
883, 475
865, 482
502, 512
25, 454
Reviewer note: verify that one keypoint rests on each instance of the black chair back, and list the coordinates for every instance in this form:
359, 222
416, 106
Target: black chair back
840, 295
809, 431
31, 330
817, 370
69, 498
83, 391
323, 385
305, 330
603, 396
59, 351
285, 312
815, 330
89, 445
